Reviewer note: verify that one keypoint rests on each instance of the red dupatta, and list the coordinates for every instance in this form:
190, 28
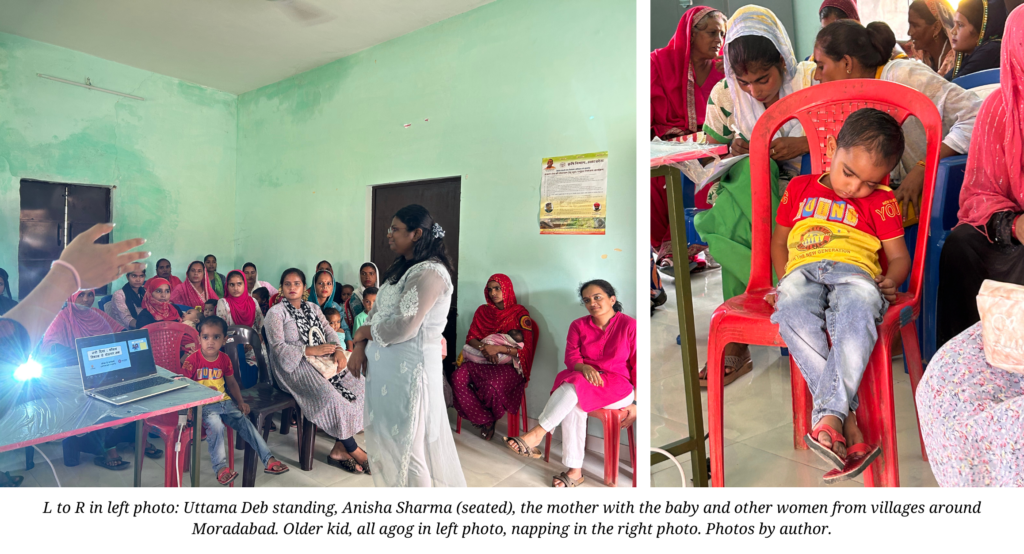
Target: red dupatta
489, 320
676, 100
161, 311
186, 293
76, 323
994, 178
243, 306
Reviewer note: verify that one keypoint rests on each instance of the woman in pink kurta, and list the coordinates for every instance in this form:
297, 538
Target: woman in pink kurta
600, 360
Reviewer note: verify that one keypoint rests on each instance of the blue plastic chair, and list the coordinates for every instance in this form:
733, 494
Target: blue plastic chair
103, 301
977, 79
948, 181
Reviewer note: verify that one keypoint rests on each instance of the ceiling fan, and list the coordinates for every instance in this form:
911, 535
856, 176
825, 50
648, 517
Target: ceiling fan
303, 12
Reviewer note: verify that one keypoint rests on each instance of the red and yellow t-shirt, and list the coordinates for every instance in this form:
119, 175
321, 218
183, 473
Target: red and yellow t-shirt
207, 373
828, 227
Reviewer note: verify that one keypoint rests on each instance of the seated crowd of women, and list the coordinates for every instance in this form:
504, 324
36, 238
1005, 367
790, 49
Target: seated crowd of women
317, 335
697, 88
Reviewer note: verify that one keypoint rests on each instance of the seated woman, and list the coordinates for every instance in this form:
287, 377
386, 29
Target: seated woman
367, 278
987, 242
125, 304
163, 271
196, 289
600, 361
760, 69
848, 50
484, 392
977, 33
253, 279
156, 306
323, 293
834, 10
930, 27
238, 307
335, 405
77, 320
970, 414
6, 298
683, 73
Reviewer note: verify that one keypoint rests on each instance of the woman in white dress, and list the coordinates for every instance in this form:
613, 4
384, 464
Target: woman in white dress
408, 436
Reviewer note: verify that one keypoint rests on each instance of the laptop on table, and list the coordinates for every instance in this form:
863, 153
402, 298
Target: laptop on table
119, 368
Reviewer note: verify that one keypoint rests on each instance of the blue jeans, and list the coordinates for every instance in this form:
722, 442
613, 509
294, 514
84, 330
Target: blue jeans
844, 300
215, 417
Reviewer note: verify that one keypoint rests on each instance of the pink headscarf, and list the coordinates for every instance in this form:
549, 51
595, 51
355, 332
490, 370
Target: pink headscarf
676, 100
186, 294
849, 7
994, 181
243, 306
161, 311
75, 323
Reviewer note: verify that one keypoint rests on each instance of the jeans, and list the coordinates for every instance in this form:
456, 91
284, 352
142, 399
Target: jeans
844, 300
215, 417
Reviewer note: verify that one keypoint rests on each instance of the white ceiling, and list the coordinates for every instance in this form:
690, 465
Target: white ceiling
231, 45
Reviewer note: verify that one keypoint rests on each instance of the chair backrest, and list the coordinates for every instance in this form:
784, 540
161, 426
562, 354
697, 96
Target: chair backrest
166, 338
102, 302
821, 111
978, 78
242, 335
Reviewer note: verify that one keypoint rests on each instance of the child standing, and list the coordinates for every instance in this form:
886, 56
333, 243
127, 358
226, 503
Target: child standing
369, 297
212, 368
828, 231
338, 324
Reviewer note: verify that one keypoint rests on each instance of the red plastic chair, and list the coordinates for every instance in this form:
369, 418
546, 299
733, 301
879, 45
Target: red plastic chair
611, 422
744, 319
166, 338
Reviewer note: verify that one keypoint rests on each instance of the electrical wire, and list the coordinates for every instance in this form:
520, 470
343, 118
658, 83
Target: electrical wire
682, 475
54, 470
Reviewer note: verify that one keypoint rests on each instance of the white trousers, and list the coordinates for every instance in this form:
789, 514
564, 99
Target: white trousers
563, 408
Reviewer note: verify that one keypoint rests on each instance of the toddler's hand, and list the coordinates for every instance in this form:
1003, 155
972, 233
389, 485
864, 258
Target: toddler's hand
887, 286
243, 407
771, 298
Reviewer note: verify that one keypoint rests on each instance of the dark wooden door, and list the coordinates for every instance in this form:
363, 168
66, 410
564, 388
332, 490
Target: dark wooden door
52, 215
442, 198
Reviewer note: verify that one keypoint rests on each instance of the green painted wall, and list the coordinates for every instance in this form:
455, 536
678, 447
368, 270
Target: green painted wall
502, 86
171, 157
805, 12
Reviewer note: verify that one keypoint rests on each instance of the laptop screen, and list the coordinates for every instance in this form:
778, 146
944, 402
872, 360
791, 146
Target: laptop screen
110, 359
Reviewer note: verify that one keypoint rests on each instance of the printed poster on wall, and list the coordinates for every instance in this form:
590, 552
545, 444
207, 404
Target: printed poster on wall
573, 194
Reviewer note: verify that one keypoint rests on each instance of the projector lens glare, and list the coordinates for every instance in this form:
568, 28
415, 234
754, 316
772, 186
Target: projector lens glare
28, 370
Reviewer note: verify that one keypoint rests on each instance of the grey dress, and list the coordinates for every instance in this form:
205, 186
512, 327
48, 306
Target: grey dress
320, 402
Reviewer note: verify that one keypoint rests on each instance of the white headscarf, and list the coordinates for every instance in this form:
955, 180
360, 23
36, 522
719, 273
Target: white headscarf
758, 21
359, 290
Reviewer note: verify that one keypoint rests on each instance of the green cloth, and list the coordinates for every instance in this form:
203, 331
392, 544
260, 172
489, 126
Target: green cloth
360, 320
217, 285
726, 226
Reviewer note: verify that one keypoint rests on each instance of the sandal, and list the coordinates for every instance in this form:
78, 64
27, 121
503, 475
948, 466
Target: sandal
11, 480
113, 464
366, 467
225, 476
739, 366
824, 452
348, 464
567, 482
524, 449
275, 467
858, 458
153, 452
487, 433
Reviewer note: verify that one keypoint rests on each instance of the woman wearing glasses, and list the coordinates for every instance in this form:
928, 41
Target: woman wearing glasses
408, 436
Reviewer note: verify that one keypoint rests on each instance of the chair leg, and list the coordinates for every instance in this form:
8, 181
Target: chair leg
522, 413
30, 458
876, 416
513, 424
308, 445
286, 420
716, 394
230, 439
632, 452
912, 358
547, 447
612, 436
458, 425
801, 406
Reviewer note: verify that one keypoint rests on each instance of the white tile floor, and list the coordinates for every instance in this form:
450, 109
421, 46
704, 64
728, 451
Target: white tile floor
485, 464
758, 411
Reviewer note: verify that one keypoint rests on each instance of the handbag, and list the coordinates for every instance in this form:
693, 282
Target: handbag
324, 364
1001, 306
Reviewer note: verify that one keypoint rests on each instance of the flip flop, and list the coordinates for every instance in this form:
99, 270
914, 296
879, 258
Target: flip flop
524, 449
567, 482
153, 452
858, 458
12, 480
824, 452
225, 476
275, 468
487, 433
119, 464
740, 367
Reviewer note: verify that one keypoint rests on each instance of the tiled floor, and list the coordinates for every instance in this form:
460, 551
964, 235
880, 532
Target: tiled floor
758, 414
485, 464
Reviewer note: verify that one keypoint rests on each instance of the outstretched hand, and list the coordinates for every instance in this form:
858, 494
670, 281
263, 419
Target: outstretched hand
99, 264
